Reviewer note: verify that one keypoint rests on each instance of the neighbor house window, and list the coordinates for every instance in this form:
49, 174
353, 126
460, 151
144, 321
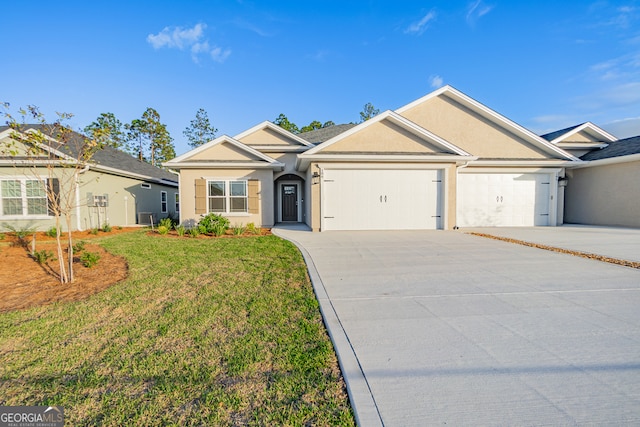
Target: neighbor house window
177, 198
23, 197
163, 202
227, 196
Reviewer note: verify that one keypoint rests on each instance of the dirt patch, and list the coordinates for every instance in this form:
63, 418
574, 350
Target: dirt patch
25, 283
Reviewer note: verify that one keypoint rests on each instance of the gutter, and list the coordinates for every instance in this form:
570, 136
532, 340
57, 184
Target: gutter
78, 173
608, 161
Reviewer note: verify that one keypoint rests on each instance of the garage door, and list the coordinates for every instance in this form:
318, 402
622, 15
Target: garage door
493, 199
381, 199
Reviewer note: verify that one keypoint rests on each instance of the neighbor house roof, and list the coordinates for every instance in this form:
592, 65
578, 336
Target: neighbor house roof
561, 136
622, 147
318, 136
110, 159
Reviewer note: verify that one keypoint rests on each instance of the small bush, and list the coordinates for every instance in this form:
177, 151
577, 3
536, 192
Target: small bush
79, 247
43, 256
2, 236
89, 259
52, 232
106, 228
239, 230
194, 232
21, 233
214, 224
251, 228
94, 231
162, 229
180, 230
166, 222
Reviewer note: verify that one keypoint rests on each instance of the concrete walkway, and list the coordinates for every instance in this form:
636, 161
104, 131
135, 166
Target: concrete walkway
620, 243
439, 327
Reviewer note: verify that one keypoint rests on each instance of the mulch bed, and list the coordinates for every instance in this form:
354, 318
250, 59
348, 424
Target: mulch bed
24, 283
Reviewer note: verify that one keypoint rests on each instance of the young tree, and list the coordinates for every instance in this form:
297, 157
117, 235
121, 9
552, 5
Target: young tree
55, 156
284, 123
368, 112
110, 130
200, 131
136, 132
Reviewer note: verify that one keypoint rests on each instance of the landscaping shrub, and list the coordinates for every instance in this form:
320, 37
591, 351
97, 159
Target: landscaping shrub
194, 232
79, 247
106, 228
180, 230
239, 230
43, 256
52, 232
89, 259
94, 231
166, 222
251, 228
163, 229
214, 224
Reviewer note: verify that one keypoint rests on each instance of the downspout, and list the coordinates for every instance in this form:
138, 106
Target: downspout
179, 195
466, 163
78, 220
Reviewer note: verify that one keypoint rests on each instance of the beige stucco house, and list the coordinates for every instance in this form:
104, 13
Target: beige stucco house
440, 162
112, 188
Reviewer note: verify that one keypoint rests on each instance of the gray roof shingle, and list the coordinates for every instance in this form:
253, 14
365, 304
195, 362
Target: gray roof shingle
321, 135
111, 157
555, 134
621, 147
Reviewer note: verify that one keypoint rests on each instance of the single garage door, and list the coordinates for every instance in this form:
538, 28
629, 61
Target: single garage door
503, 199
356, 199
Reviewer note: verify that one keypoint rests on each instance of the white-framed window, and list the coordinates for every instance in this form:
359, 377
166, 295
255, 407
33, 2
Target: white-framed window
227, 196
177, 200
146, 186
23, 197
163, 202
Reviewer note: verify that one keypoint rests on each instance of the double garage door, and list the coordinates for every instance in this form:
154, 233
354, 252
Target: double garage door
503, 199
360, 199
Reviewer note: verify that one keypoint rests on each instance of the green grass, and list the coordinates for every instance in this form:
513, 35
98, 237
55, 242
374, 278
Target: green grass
204, 332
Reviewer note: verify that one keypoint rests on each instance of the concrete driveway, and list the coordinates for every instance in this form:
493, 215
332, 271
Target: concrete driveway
441, 327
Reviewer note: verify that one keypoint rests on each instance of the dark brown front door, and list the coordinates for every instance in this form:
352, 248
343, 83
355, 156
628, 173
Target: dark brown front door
289, 202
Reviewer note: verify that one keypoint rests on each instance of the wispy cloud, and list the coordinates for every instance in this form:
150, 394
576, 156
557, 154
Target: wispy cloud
245, 25
435, 81
420, 26
477, 10
191, 39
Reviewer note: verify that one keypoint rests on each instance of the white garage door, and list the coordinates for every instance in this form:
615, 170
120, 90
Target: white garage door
494, 199
381, 199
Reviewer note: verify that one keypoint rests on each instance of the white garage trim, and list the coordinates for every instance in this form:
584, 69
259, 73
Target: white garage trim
507, 198
382, 199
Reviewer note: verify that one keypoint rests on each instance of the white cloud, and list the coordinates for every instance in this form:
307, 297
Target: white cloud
177, 37
420, 26
477, 10
436, 81
191, 39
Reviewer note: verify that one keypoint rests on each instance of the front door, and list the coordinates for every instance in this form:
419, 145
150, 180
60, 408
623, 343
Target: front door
289, 202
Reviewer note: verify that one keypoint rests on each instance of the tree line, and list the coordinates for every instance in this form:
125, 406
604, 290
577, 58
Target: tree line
148, 139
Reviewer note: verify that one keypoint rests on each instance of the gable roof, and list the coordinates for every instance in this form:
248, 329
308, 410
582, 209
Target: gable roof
275, 128
622, 147
107, 159
186, 160
318, 136
562, 134
494, 117
450, 151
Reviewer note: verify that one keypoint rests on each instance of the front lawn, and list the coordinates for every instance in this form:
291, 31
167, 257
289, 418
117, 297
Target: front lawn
203, 332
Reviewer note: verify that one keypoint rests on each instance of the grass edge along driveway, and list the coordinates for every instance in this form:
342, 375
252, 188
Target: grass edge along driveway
203, 332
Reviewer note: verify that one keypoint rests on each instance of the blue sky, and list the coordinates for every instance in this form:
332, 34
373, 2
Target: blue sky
544, 64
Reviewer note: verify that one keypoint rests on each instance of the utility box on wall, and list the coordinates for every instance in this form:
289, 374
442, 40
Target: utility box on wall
97, 201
